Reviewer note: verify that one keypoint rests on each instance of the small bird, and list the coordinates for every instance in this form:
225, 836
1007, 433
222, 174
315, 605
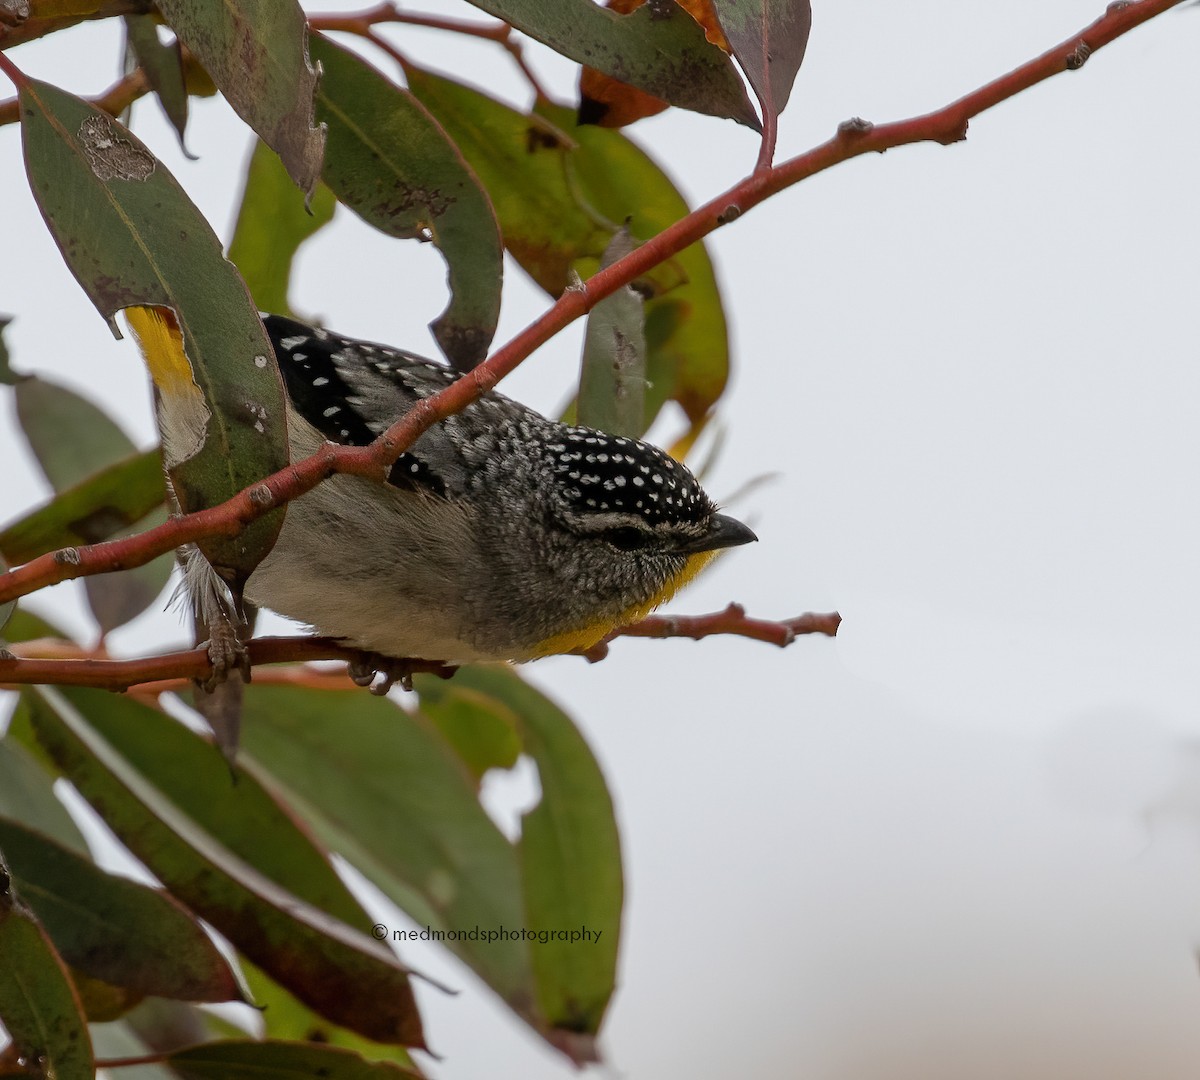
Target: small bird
499, 535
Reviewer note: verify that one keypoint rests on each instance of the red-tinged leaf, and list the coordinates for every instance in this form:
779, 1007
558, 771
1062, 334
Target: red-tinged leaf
163, 65
132, 237
255, 50
97, 509
38, 1006
272, 223
390, 162
768, 37
230, 853
286, 1019
612, 103
658, 48
245, 1059
112, 928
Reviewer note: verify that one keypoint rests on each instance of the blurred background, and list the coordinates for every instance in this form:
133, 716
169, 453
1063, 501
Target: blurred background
963, 839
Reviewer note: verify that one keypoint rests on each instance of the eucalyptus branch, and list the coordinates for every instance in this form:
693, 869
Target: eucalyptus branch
36, 26
114, 101
27, 664
363, 24
853, 139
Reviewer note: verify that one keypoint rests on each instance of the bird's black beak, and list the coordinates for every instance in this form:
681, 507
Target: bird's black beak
723, 532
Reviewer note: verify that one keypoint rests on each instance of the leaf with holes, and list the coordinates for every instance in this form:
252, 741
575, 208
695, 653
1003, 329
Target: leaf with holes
132, 237
570, 858
390, 162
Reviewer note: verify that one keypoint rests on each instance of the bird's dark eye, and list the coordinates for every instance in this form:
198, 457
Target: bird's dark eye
627, 538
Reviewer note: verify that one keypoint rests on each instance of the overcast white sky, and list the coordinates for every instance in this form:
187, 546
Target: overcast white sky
964, 839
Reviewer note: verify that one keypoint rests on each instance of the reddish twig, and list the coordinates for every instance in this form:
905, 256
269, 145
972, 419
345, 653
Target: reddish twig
114, 101
172, 670
37, 26
853, 139
363, 24
178, 666
733, 620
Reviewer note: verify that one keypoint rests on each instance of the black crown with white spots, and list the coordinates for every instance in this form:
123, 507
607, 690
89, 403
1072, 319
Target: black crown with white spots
608, 473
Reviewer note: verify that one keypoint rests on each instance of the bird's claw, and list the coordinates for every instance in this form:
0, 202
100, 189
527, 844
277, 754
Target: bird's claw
226, 653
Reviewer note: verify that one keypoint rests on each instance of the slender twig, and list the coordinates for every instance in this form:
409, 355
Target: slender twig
733, 620
114, 101
37, 26
853, 139
31, 664
188, 664
363, 24
130, 1062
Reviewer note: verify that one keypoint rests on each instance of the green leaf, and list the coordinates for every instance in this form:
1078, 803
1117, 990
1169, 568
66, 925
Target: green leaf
246, 1059
230, 853
570, 855
7, 375
658, 48
163, 65
27, 795
381, 787
71, 438
557, 189
481, 732
272, 223
687, 340
612, 383
132, 237
38, 1005
97, 509
112, 928
390, 162
768, 37
255, 52
285, 1018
